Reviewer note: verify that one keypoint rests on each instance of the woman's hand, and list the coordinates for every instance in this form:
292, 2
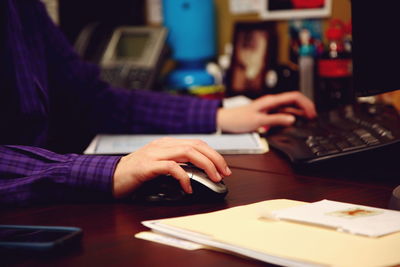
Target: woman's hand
163, 156
269, 110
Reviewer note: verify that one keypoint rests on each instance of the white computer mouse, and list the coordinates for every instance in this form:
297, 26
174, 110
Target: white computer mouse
167, 190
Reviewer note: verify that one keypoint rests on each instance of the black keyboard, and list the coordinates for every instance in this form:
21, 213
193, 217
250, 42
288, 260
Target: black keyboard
342, 131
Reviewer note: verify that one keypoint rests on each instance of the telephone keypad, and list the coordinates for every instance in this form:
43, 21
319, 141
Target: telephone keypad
127, 76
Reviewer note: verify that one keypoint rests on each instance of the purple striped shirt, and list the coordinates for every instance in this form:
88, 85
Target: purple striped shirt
50, 100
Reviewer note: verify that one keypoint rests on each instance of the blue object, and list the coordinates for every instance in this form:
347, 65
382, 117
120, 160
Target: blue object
37, 238
186, 78
191, 27
307, 50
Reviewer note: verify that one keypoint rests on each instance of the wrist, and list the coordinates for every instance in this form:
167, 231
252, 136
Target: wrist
124, 181
220, 120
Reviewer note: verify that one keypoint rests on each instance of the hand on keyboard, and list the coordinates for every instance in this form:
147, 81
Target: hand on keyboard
342, 131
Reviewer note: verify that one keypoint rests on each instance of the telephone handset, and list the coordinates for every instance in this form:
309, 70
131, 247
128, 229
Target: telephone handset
129, 56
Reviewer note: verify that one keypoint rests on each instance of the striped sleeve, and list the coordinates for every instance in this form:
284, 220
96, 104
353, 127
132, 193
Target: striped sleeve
30, 175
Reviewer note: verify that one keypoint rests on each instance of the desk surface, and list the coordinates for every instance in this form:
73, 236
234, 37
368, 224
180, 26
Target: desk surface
109, 228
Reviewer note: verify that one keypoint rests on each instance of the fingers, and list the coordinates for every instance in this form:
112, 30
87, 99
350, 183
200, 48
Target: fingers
216, 164
271, 102
196, 152
163, 156
173, 168
279, 119
292, 110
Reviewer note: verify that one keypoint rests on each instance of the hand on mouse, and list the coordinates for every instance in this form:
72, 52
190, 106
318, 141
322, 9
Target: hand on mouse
163, 156
270, 110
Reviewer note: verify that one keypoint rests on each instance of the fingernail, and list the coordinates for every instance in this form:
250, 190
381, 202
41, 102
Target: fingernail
228, 171
190, 189
219, 176
291, 119
263, 129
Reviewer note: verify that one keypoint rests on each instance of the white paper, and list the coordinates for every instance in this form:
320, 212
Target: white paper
351, 218
168, 240
154, 11
245, 6
223, 143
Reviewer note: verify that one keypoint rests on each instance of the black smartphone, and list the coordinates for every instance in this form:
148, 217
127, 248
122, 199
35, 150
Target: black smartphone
37, 238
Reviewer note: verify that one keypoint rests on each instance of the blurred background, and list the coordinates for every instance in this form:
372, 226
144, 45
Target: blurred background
298, 36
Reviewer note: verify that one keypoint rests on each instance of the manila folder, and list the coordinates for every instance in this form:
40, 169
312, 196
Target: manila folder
242, 230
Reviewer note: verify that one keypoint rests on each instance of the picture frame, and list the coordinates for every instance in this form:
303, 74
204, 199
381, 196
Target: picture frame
254, 54
294, 9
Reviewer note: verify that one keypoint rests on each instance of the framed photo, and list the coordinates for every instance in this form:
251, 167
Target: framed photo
295, 9
254, 54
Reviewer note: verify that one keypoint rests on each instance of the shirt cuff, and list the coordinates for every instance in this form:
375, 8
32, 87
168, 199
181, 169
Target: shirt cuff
94, 172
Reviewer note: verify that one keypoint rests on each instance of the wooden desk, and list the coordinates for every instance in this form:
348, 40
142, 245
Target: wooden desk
109, 228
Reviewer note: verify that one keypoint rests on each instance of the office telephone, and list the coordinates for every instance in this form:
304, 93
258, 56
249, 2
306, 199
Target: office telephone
129, 56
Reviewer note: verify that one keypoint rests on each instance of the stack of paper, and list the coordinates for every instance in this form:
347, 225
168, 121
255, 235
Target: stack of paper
224, 143
254, 231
